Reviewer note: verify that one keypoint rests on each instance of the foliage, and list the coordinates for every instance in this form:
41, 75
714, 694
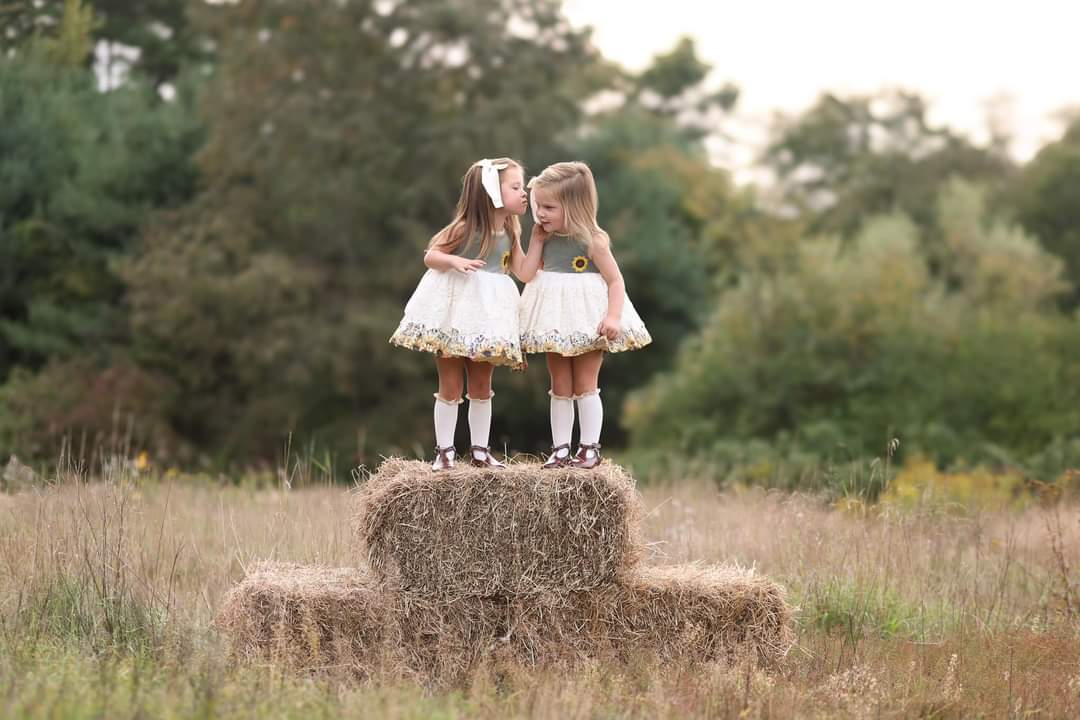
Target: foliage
1045, 203
849, 158
79, 173
222, 269
270, 298
921, 484
151, 39
852, 343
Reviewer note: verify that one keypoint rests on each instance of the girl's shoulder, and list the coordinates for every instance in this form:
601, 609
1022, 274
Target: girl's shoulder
449, 240
600, 241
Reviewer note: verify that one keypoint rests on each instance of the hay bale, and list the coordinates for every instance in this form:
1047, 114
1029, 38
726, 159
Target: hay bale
517, 531
308, 618
321, 619
338, 618
693, 613
684, 615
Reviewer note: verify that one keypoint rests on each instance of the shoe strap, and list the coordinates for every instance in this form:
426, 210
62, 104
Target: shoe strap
584, 448
555, 450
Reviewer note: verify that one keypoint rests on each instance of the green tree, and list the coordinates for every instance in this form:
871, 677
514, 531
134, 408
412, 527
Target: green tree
21, 22
73, 42
851, 342
669, 212
1046, 205
270, 299
79, 171
165, 33
156, 38
660, 200
847, 159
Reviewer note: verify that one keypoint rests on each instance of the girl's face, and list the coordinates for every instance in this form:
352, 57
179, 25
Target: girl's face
549, 211
512, 186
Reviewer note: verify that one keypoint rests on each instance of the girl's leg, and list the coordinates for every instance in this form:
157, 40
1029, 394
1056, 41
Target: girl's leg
451, 377
561, 370
479, 374
586, 371
480, 396
451, 384
562, 409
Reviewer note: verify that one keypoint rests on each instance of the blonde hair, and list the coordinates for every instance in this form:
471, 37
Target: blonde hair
573, 186
475, 214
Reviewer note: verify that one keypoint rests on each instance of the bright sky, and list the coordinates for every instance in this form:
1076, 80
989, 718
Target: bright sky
965, 56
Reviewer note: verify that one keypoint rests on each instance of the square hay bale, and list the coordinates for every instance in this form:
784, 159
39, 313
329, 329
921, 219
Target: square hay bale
478, 532
339, 619
685, 615
308, 618
697, 613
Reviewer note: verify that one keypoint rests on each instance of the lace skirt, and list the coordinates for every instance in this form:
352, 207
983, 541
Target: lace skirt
559, 312
473, 316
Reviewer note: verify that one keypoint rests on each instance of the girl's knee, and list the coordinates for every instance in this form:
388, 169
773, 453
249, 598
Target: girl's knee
584, 387
562, 387
479, 379
586, 380
450, 390
480, 390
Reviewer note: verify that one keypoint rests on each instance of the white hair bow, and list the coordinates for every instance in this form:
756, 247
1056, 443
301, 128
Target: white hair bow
489, 178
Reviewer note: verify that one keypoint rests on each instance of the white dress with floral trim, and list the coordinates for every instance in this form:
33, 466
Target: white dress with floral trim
564, 304
474, 315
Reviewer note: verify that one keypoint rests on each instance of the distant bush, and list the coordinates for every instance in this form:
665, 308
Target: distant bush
958, 351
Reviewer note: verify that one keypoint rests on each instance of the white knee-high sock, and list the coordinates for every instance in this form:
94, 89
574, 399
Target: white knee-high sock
480, 420
562, 419
590, 417
446, 412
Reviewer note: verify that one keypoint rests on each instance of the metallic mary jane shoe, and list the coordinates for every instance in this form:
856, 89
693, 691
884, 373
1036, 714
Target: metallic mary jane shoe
481, 456
444, 458
559, 457
588, 456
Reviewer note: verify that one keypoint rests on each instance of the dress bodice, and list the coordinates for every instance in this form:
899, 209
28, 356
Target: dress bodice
498, 258
567, 254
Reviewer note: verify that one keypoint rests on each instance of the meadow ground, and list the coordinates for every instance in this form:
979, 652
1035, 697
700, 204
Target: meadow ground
108, 589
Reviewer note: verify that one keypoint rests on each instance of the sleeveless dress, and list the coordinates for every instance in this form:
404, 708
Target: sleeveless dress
472, 315
564, 304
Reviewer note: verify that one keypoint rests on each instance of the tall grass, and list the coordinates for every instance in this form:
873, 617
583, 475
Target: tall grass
108, 586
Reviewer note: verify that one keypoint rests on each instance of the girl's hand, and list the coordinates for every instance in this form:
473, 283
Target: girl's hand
609, 327
538, 234
466, 266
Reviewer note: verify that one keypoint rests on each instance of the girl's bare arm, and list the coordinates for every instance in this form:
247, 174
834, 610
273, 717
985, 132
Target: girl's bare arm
600, 252
525, 264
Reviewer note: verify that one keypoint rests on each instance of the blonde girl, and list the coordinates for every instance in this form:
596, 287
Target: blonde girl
464, 309
574, 307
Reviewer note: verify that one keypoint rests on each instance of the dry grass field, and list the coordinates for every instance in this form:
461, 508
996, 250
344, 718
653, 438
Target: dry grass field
108, 589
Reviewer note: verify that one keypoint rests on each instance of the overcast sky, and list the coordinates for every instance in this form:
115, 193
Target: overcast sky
1023, 58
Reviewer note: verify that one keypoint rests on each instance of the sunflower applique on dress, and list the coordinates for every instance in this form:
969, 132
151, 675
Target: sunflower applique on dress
564, 303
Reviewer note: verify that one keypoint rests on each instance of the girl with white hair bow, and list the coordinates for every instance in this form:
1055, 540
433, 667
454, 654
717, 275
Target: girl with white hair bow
465, 308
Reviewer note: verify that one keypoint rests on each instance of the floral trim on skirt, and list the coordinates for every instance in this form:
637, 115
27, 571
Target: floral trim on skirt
473, 316
561, 311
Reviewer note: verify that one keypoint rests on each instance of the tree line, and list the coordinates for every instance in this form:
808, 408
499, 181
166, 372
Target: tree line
204, 247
